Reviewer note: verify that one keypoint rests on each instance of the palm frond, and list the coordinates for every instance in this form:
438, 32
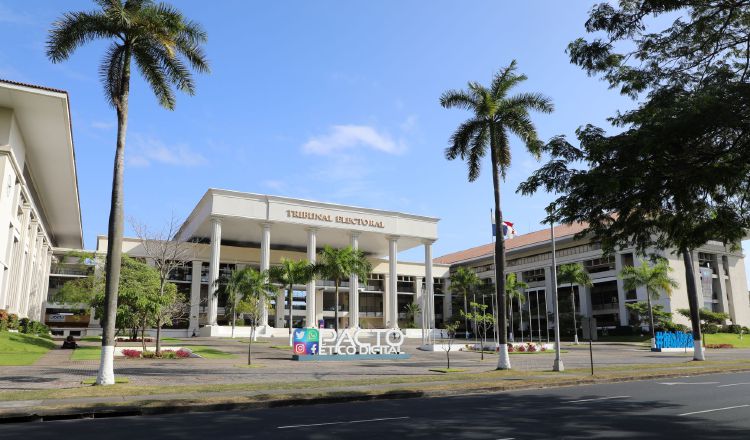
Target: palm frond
110, 72
502, 149
505, 80
149, 65
460, 99
477, 151
462, 137
519, 123
530, 101
75, 29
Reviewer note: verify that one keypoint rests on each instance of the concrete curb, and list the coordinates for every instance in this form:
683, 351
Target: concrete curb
136, 408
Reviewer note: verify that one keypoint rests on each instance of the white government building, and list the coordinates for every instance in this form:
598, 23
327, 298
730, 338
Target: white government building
39, 205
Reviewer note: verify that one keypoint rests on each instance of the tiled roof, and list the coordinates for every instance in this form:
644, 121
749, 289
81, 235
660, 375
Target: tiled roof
34, 86
514, 243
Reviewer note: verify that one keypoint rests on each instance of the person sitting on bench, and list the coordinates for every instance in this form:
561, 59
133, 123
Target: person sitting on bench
70, 343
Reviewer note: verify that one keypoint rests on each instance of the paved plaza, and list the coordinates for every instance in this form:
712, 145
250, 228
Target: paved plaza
56, 370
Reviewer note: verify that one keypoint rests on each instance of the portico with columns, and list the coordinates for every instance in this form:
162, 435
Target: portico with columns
235, 229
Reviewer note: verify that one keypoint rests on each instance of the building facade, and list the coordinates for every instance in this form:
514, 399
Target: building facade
720, 270
39, 205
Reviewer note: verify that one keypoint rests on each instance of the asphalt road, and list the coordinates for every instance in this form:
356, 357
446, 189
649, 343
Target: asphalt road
701, 407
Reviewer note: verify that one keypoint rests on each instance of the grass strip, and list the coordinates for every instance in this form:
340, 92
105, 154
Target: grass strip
86, 354
17, 349
92, 380
210, 353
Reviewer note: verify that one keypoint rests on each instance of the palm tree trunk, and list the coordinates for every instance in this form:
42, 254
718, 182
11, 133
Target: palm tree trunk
234, 313
503, 361
651, 319
520, 316
575, 322
336, 310
291, 294
510, 314
695, 317
250, 345
466, 318
158, 336
106, 374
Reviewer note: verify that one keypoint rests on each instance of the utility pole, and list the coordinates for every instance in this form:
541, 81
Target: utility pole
558, 365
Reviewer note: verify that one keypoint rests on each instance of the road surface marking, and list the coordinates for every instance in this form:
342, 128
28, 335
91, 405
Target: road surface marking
598, 398
506, 438
342, 423
688, 383
712, 410
733, 384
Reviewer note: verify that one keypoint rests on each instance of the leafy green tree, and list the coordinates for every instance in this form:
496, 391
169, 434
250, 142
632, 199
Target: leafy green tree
337, 265
235, 288
255, 290
514, 289
652, 315
289, 273
163, 44
655, 279
482, 320
573, 274
450, 332
496, 115
143, 300
678, 173
463, 282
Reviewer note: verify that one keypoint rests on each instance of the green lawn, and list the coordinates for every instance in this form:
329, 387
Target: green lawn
727, 338
20, 349
210, 353
86, 354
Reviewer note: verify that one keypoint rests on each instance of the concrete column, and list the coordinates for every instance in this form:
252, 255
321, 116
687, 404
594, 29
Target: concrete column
213, 271
584, 298
393, 282
195, 297
419, 297
354, 288
265, 263
386, 301
28, 273
623, 311
310, 309
45, 283
14, 292
429, 282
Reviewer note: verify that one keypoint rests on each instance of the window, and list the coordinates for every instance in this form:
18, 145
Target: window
405, 284
602, 264
533, 276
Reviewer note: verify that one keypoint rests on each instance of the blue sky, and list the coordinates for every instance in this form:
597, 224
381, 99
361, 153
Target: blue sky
331, 100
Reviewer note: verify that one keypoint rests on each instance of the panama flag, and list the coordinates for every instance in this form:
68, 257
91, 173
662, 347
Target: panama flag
508, 230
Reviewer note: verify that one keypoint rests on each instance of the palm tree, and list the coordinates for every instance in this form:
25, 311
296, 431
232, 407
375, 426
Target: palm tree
463, 281
164, 45
257, 289
412, 310
289, 273
236, 285
496, 115
573, 274
655, 279
339, 264
514, 289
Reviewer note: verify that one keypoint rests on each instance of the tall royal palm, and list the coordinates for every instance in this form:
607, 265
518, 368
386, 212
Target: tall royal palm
463, 282
573, 274
289, 273
496, 116
164, 45
655, 279
337, 265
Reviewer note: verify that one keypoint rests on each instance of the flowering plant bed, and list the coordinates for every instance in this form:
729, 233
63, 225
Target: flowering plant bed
165, 354
719, 346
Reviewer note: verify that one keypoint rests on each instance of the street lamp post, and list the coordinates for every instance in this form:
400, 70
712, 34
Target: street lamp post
558, 365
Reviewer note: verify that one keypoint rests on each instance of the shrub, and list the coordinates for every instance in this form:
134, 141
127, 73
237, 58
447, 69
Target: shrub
542, 348
3, 320
709, 329
672, 327
148, 355
531, 348
511, 348
182, 353
168, 354
130, 353
31, 327
745, 330
522, 348
12, 321
733, 328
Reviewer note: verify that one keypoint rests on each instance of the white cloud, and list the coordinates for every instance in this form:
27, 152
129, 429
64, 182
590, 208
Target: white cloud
276, 185
347, 137
101, 125
145, 150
